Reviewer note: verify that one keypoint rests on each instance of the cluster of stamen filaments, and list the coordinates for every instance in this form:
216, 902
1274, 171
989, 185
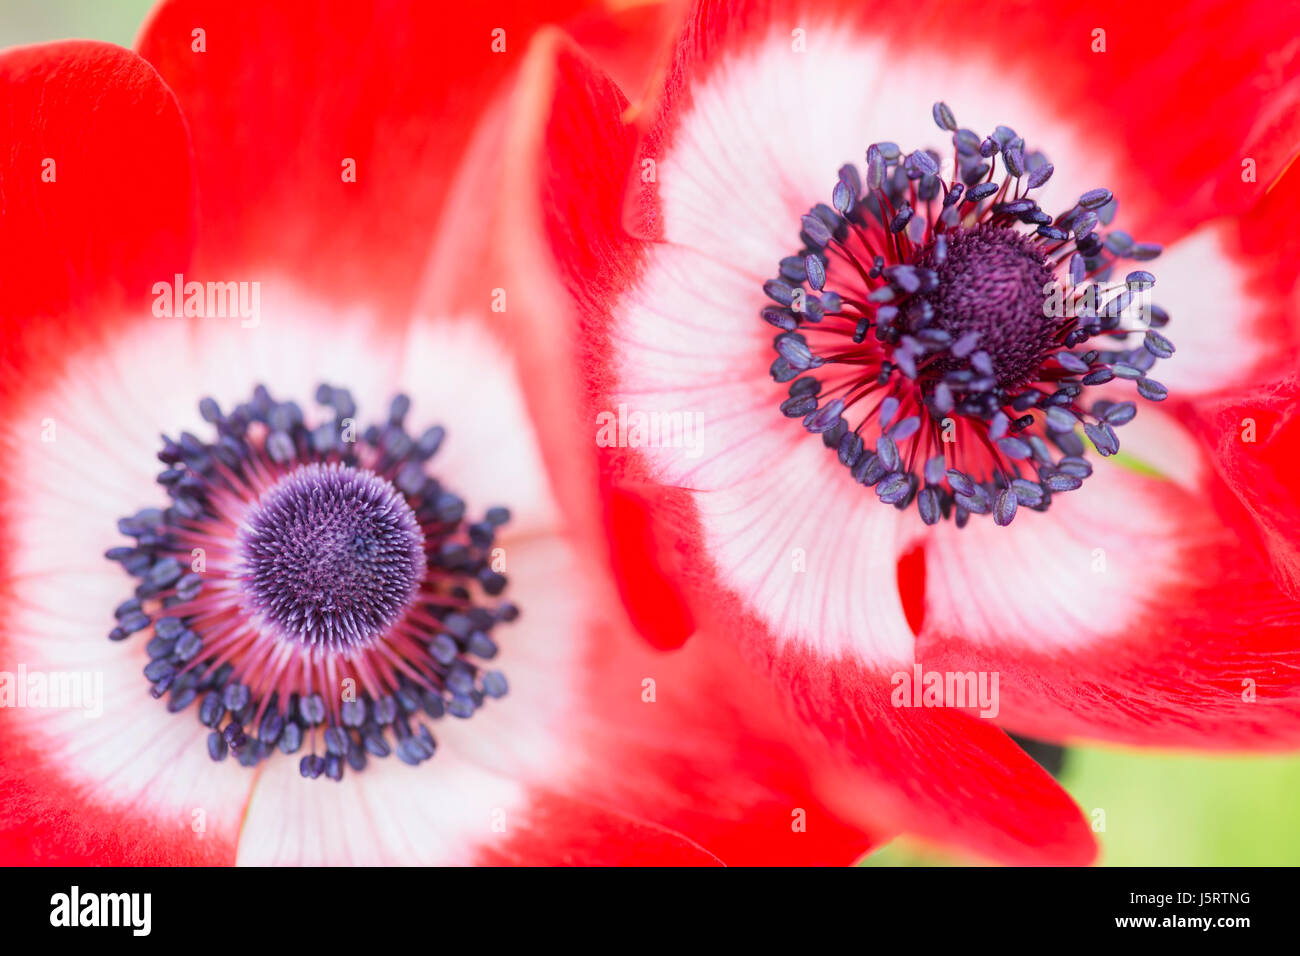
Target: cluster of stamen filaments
921, 410
346, 694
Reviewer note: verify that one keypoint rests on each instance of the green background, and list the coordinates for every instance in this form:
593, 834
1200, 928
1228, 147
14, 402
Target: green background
1161, 809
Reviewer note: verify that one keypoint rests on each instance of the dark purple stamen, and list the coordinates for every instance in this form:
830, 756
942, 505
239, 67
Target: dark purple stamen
941, 335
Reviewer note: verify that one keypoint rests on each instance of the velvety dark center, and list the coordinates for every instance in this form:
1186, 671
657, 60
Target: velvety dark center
332, 554
993, 282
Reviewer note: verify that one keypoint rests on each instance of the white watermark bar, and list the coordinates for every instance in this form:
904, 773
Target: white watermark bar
53, 690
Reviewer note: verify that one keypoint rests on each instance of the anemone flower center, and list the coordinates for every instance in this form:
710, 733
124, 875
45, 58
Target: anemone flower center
333, 555
947, 337
311, 585
992, 284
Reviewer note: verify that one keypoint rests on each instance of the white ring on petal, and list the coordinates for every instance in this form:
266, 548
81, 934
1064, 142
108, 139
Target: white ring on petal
1214, 318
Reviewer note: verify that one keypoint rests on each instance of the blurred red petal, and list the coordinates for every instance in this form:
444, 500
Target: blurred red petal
560, 831
282, 103
95, 186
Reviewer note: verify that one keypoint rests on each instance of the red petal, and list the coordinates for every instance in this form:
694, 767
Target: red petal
50, 822
1265, 242
1255, 442
583, 202
940, 774
717, 756
81, 252
560, 831
95, 184
630, 42
278, 101
565, 134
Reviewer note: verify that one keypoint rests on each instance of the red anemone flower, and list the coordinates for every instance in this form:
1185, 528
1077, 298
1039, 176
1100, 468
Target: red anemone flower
301, 627
874, 205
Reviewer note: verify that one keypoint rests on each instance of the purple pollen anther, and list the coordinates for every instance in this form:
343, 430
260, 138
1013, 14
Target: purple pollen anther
960, 330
